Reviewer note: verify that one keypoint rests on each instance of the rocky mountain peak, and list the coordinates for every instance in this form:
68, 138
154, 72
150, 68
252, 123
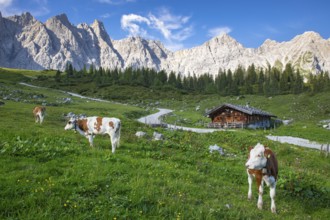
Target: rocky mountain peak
59, 19
98, 24
100, 31
225, 41
269, 43
26, 19
83, 26
308, 37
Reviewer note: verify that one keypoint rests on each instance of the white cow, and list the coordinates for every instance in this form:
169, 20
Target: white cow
39, 113
262, 164
91, 126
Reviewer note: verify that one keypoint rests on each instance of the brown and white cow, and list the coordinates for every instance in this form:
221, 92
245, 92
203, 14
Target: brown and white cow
39, 113
91, 126
262, 164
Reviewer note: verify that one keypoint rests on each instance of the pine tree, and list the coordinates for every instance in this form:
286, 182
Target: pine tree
84, 70
261, 80
298, 83
250, 80
266, 84
162, 77
229, 89
58, 76
239, 76
91, 69
327, 81
172, 79
221, 82
69, 70
179, 82
274, 79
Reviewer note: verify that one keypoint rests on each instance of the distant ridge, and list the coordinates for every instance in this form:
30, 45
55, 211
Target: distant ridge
30, 44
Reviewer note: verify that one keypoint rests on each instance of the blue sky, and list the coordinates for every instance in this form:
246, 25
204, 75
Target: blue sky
182, 24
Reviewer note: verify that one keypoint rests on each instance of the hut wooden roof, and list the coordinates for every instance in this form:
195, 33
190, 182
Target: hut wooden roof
246, 109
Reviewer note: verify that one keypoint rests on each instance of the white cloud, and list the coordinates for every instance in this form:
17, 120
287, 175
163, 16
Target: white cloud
39, 9
171, 26
4, 6
173, 29
183, 34
5, 3
218, 31
128, 22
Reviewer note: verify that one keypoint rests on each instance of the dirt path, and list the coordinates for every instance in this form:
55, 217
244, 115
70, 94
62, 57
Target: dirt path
69, 93
295, 141
155, 119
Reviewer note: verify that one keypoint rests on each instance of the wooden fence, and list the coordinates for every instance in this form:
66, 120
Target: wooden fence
226, 125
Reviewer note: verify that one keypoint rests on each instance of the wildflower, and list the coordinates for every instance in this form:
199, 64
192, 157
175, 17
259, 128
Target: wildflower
178, 217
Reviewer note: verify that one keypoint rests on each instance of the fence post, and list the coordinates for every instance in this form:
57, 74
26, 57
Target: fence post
321, 148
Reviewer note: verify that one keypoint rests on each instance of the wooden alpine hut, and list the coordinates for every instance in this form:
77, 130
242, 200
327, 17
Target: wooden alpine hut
238, 116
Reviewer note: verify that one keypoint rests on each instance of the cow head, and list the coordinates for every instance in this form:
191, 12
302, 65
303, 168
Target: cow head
71, 124
257, 159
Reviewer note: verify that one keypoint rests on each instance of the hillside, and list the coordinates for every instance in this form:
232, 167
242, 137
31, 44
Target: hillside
50, 173
27, 43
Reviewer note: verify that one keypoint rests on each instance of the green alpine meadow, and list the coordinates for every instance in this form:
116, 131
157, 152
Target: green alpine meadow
47, 172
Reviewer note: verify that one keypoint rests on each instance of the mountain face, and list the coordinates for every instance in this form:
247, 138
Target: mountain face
29, 44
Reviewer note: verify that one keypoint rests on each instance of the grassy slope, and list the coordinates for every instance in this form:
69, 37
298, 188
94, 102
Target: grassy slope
306, 110
49, 173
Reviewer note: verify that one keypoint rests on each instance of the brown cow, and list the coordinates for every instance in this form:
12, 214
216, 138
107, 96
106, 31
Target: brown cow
262, 164
91, 126
39, 113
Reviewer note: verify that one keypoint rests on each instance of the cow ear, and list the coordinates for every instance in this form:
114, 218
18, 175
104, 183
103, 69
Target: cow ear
267, 153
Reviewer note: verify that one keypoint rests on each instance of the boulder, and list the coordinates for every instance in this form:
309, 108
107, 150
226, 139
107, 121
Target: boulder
140, 134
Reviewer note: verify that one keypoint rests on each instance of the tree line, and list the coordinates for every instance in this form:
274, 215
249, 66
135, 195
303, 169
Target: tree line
270, 81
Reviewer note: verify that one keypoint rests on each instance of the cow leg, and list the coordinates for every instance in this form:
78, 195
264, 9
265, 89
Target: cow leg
250, 180
272, 192
90, 139
41, 118
113, 147
260, 184
113, 141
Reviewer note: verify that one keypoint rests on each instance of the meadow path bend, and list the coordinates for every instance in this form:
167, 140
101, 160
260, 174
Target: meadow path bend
155, 119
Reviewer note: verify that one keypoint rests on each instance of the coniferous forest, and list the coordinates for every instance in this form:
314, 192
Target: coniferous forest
268, 82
